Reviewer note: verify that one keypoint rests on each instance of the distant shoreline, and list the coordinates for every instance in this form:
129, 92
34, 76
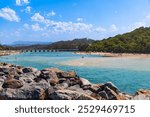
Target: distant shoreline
8, 52
108, 54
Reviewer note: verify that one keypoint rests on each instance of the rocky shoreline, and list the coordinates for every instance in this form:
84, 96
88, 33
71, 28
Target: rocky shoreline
27, 83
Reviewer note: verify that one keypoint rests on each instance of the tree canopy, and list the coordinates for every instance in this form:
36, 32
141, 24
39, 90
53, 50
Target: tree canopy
137, 41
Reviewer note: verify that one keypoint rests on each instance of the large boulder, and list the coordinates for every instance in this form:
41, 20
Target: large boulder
53, 81
28, 69
55, 70
13, 84
69, 95
5, 70
27, 77
1, 82
112, 95
74, 81
49, 76
69, 74
7, 94
84, 81
3, 77
142, 95
8, 71
108, 91
123, 96
42, 84
27, 80
112, 87
103, 95
95, 88
2, 73
24, 93
63, 85
79, 89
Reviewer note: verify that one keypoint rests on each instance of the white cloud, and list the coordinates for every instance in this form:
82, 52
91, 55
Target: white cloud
9, 14
138, 24
21, 2
70, 26
18, 2
28, 9
36, 27
79, 19
37, 17
62, 26
52, 13
100, 29
113, 28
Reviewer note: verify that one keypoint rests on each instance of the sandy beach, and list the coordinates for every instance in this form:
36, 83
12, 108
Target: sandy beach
8, 52
107, 54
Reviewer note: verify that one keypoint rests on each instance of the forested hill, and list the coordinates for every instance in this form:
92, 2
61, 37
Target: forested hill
3, 48
137, 41
80, 44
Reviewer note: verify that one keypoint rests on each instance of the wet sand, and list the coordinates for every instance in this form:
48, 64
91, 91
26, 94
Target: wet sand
133, 63
106, 54
8, 52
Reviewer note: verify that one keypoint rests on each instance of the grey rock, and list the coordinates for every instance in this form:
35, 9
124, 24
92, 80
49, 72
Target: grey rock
55, 70
61, 86
2, 73
42, 84
141, 97
75, 88
49, 92
1, 82
69, 74
111, 93
1, 89
142, 94
61, 80
4, 70
28, 75
70, 95
104, 95
26, 80
112, 87
14, 84
28, 69
3, 77
84, 81
24, 93
49, 76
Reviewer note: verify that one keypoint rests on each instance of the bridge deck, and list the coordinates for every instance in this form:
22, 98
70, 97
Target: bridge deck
54, 50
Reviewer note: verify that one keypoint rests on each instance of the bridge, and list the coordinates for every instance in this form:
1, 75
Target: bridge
51, 50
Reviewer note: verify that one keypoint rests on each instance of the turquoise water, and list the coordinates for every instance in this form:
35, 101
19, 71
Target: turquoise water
128, 75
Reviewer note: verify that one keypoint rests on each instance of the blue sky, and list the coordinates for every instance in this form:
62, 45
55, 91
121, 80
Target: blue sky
53, 20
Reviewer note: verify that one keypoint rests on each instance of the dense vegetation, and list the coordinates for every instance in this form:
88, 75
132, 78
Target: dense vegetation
80, 44
2, 47
137, 41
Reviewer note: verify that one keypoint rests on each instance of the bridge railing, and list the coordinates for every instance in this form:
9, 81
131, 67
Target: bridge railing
52, 50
